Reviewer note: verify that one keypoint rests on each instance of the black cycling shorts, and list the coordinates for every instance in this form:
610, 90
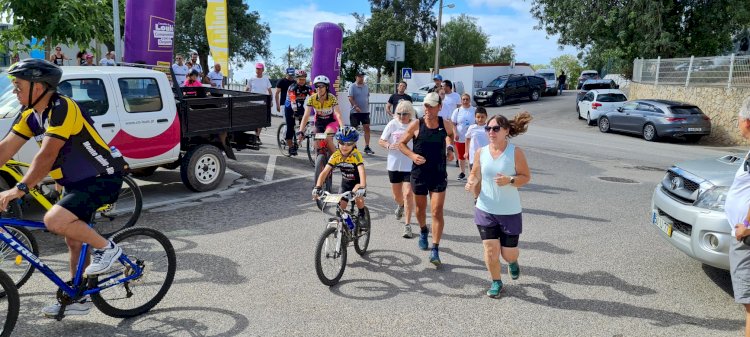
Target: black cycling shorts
397, 177
347, 185
495, 233
84, 197
359, 118
424, 186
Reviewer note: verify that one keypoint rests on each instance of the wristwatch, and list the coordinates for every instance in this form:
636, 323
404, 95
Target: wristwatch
512, 180
23, 188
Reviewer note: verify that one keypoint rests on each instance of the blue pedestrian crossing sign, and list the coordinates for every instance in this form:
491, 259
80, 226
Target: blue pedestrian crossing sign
406, 73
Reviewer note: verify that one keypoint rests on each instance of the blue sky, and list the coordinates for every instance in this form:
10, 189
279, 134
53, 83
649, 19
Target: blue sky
505, 21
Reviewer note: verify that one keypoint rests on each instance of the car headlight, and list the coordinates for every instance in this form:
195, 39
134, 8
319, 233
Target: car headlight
712, 198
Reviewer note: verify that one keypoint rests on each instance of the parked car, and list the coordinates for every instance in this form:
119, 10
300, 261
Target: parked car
154, 124
687, 208
658, 118
458, 87
599, 101
594, 84
549, 76
587, 75
510, 87
417, 100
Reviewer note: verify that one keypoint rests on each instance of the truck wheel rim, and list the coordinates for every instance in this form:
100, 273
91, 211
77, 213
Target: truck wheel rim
535, 95
207, 169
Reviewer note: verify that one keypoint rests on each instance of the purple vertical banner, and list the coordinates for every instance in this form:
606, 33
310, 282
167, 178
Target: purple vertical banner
149, 31
327, 41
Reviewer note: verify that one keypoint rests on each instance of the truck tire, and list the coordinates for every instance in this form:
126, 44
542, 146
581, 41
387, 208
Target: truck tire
202, 168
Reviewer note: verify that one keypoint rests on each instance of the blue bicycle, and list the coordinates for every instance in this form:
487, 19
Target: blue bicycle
132, 287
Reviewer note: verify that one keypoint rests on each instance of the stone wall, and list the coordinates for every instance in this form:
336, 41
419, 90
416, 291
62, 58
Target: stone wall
720, 103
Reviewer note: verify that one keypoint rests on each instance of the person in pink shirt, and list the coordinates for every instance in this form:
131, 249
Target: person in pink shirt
192, 81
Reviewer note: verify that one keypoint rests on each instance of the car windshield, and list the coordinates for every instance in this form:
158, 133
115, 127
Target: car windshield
9, 105
592, 86
590, 76
686, 110
417, 97
498, 82
547, 76
613, 97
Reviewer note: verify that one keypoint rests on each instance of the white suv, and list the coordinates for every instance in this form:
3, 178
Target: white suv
595, 102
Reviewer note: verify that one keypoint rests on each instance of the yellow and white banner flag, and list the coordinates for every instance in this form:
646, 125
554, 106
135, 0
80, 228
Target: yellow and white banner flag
218, 35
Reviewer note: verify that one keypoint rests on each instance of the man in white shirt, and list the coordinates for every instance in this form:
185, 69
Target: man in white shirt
108, 59
451, 101
216, 77
196, 65
259, 85
180, 70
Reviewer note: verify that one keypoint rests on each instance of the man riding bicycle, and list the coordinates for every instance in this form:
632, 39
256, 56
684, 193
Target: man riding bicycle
74, 155
327, 112
349, 161
294, 106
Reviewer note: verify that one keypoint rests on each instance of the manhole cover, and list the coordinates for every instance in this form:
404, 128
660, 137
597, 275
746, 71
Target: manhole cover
618, 180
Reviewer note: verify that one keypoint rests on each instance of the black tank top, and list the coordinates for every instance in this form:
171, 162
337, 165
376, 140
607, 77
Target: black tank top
59, 60
430, 144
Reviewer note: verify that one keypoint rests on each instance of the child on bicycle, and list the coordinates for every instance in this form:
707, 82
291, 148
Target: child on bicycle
349, 161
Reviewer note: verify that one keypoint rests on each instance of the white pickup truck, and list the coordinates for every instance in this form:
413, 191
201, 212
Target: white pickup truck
153, 124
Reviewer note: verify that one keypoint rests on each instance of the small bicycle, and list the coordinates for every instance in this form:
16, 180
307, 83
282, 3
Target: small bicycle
345, 227
284, 149
134, 285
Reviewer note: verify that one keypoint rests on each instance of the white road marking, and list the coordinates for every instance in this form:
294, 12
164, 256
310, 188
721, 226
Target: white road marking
270, 167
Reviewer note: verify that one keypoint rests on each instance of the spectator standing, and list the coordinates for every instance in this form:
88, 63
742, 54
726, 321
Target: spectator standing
561, 82
216, 77
192, 81
108, 59
259, 85
451, 100
462, 117
738, 218
396, 98
438, 79
179, 69
359, 98
433, 148
399, 165
282, 87
81, 57
89, 60
196, 65
500, 168
58, 58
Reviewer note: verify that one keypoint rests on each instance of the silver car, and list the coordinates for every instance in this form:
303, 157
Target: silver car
658, 118
687, 208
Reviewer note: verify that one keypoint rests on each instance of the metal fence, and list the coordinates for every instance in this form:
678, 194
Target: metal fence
729, 71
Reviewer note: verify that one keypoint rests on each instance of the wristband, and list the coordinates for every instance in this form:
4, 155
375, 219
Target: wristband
746, 223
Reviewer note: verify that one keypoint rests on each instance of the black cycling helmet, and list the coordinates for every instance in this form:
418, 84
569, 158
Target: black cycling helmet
37, 70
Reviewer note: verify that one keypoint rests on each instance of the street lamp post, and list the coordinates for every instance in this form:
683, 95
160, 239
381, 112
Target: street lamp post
437, 38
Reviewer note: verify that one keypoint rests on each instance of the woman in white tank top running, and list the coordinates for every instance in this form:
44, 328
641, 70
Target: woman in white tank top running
498, 171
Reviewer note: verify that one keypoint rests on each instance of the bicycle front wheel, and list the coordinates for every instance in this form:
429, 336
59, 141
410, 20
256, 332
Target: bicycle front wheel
363, 233
330, 256
155, 256
123, 213
281, 141
12, 263
309, 151
9, 305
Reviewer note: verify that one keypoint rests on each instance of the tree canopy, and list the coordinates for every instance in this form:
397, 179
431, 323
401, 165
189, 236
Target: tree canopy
500, 54
462, 41
643, 28
248, 36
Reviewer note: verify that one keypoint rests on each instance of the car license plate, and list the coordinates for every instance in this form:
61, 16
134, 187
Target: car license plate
663, 225
694, 129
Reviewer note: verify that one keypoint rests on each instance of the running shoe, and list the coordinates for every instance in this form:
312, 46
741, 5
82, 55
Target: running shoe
81, 307
103, 259
368, 150
407, 232
423, 245
399, 212
495, 289
293, 150
461, 177
514, 270
435, 257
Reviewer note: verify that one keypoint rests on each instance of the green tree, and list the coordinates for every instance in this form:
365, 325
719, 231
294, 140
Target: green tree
500, 54
539, 66
298, 57
569, 64
248, 36
643, 28
462, 41
418, 13
58, 21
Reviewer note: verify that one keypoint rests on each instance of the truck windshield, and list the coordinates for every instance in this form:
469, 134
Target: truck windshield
547, 76
9, 105
498, 82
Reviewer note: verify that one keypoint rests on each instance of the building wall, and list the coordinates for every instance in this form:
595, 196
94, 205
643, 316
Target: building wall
720, 104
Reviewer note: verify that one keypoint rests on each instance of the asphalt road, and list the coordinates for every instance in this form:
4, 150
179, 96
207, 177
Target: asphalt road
592, 265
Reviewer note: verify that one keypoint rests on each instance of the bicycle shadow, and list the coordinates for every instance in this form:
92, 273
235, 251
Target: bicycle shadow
175, 321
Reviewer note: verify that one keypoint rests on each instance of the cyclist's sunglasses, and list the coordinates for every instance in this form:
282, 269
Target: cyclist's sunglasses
321, 86
348, 143
495, 128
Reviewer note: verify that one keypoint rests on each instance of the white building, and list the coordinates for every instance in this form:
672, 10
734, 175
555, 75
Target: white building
472, 76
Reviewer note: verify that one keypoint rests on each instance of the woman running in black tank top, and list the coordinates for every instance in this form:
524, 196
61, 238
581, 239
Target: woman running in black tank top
429, 176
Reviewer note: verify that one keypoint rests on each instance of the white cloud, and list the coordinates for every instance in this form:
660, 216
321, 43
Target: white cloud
289, 23
514, 4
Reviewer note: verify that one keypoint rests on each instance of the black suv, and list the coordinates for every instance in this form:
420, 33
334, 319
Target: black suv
510, 87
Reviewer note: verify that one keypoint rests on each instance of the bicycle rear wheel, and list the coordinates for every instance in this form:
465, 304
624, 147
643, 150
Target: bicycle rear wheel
309, 151
12, 263
152, 251
281, 141
9, 305
363, 236
123, 213
330, 256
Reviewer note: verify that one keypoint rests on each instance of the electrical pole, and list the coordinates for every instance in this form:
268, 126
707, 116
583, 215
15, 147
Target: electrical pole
437, 39
289, 57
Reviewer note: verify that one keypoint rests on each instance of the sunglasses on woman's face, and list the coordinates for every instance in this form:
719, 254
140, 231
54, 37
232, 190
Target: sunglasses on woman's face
402, 114
347, 143
495, 128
